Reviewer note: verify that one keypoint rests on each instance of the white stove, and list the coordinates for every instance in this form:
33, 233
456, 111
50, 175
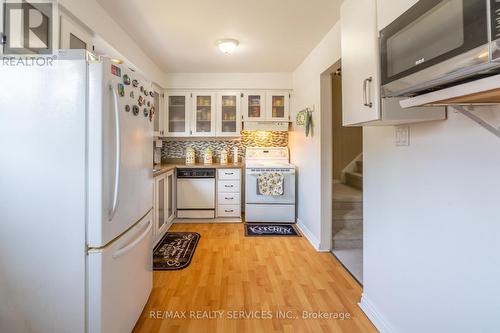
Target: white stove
269, 208
268, 164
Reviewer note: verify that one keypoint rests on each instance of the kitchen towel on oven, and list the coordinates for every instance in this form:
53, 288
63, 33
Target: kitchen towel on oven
270, 183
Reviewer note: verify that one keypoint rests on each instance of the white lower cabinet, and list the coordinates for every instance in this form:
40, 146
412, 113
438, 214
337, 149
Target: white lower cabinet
164, 204
229, 211
228, 186
228, 198
229, 193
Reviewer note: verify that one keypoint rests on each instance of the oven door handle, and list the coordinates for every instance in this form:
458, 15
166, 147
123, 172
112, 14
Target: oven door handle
365, 95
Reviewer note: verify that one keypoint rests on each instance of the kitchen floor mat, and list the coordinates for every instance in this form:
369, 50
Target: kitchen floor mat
264, 229
175, 251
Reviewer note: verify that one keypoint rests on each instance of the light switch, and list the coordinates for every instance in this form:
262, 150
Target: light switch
402, 136
158, 143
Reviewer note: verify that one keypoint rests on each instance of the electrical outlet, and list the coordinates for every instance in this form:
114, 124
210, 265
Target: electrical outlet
402, 136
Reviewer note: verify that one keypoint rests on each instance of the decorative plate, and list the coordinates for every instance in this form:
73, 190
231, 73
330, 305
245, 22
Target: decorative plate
301, 118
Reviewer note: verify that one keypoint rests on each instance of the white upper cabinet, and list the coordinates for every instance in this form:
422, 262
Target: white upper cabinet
203, 114
73, 36
278, 106
228, 114
361, 102
360, 74
254, 104
220, 113
176, 120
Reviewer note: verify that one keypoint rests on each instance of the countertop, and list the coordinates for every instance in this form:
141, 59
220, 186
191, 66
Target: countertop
162, 168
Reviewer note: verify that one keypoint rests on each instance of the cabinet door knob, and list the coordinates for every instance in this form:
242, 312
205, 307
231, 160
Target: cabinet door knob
229, 198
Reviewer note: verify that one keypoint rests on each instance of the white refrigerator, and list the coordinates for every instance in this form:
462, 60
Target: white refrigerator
76, 195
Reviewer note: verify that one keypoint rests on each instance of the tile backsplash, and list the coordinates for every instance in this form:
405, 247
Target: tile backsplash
175, 148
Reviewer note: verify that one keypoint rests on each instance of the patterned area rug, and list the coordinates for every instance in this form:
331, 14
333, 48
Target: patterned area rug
175, 251
262, 229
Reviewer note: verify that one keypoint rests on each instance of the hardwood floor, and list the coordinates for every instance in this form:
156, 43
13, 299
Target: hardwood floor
258, 275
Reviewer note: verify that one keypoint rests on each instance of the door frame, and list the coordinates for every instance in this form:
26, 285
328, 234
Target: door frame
326, 147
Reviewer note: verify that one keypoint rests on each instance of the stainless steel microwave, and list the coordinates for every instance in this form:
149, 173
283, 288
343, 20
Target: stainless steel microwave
439, 43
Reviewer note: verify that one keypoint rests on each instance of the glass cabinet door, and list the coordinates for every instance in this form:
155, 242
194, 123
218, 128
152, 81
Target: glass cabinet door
228, 114
177, 120
253, 105
278, 106
204, 115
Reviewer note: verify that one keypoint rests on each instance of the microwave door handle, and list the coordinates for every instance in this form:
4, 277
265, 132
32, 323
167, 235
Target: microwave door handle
116, 187
365, 98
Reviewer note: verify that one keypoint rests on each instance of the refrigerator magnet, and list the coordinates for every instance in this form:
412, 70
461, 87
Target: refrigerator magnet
121, 89
126, 80
115, 70
151, 113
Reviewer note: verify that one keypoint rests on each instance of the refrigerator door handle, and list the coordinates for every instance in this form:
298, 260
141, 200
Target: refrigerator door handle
132, 244
116, 188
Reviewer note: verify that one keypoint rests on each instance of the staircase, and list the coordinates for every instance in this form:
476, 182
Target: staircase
354, 178
348, 209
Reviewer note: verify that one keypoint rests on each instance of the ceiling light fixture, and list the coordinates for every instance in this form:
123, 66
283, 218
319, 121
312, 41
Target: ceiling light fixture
227, 46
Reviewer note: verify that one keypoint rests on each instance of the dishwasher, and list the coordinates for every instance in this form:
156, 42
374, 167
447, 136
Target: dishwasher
195, 193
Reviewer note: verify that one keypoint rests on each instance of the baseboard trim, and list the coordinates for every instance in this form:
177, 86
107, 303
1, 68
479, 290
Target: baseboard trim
309, 236
375, 316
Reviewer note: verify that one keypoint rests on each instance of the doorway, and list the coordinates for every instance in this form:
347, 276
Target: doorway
347, 188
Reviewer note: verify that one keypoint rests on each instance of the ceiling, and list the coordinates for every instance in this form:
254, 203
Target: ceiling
180, 35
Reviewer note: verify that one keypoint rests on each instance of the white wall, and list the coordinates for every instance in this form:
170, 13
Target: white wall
432, 223
229, 81
101, 23
432, 226
431, 216
306, 151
